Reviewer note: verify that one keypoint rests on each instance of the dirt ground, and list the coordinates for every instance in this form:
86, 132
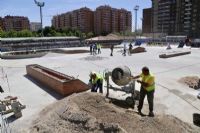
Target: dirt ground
191, 81
91, 112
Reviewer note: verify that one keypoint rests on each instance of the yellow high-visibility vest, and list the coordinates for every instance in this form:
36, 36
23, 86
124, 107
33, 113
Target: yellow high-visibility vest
98, 76
146, 80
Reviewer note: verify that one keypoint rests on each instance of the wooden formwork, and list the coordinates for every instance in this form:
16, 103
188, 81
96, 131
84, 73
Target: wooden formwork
61, 83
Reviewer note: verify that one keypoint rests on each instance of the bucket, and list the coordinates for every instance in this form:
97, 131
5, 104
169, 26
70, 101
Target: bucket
196, 119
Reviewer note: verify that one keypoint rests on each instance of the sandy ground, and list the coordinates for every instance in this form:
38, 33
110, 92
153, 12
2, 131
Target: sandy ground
171, 97
91, 112
191, 81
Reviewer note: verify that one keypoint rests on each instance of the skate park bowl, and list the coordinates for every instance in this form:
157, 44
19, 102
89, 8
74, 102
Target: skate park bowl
121, 75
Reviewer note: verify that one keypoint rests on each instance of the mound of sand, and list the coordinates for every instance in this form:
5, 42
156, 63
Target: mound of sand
91, 112
191, 81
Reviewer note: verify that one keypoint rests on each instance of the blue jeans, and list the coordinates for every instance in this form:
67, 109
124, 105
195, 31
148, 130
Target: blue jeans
98, 85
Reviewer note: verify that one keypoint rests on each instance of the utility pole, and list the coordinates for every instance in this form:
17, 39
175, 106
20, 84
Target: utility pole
136, 9
40, 4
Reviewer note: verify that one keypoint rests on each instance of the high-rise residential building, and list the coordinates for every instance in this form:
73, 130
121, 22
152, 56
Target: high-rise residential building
107, 20
147, 21
35, 26
190, 17
67, 20
16, 23
164, 16
124, 20
1, 23
85, 20
104, 20
74, 16
81, 19
195, 27
176, 17
115, 20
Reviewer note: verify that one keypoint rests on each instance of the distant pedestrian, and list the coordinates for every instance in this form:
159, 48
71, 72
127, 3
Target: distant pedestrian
124, 50
99, 48
130, 48
94, 49
91, 50
111, 49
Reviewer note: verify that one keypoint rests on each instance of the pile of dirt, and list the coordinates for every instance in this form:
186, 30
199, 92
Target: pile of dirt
191, 81
138, 50
94, 58
91, 112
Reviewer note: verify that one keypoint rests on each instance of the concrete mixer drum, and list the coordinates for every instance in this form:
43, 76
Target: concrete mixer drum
121, 75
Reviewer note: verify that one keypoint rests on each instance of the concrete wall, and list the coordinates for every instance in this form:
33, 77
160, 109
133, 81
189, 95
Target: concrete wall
63, 84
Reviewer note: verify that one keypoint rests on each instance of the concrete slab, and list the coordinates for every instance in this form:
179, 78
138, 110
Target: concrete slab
171, 97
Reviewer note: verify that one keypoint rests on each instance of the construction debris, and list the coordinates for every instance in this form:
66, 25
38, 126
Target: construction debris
61, 83
191, 81
90, 112
173, 54
11, 105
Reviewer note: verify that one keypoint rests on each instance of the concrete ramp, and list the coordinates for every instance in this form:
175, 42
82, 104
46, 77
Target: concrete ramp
61, 83
174, 54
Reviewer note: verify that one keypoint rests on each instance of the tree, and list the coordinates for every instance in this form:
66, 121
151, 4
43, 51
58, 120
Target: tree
1, 31
90, 34
24, 33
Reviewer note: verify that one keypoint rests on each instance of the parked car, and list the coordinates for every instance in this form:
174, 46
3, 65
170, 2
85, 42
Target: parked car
195, 43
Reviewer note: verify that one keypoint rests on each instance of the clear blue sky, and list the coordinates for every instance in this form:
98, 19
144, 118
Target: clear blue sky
53, 7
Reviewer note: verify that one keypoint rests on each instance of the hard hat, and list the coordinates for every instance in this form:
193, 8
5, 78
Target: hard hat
92, 73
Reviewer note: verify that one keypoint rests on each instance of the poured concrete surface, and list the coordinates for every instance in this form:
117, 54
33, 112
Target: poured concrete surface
171, 97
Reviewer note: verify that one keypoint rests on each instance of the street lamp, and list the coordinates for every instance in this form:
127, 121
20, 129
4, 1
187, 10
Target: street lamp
136, 9
40, 4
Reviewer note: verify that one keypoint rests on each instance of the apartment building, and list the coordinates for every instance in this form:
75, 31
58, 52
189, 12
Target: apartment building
81, 19
16, 23
1, 23
108, 19
176, 17
103, 20
147, 21
85, 20
35, 26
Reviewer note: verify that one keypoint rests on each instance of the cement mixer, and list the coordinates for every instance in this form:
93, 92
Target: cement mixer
121, 77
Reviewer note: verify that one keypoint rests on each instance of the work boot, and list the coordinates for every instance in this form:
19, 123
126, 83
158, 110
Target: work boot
151, 114
140, 113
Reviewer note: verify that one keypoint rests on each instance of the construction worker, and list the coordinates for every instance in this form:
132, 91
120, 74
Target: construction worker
97, 82
147, 88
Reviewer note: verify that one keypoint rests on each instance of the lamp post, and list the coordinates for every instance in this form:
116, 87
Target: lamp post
40, 4
136, 9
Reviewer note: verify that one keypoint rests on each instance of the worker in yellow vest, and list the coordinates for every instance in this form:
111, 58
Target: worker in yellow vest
97, 82
147, 88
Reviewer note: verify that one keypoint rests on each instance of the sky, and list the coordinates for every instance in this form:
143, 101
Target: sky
53, 7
